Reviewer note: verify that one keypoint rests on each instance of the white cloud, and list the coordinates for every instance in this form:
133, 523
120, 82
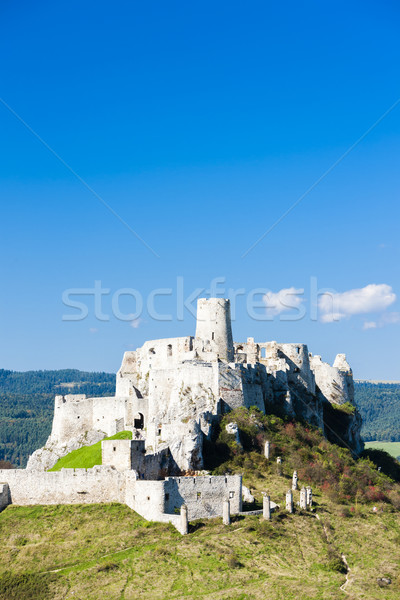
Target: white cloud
135, 323
370, 325
286, 299
369, 299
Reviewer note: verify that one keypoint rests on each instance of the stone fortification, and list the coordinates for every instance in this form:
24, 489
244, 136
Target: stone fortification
154, 500
171, 392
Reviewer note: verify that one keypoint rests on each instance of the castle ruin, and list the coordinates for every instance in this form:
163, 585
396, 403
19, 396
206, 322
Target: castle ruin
170, 394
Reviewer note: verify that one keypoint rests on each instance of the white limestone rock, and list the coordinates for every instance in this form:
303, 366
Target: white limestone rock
247, 495
233, 429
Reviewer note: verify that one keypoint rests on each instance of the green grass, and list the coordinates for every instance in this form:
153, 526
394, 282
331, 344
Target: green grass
392, 448
97, 552
87, 456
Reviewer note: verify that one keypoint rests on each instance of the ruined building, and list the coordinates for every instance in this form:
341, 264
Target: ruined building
172, 392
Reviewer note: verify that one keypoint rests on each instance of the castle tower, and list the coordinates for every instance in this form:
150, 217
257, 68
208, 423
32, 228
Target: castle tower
214, 324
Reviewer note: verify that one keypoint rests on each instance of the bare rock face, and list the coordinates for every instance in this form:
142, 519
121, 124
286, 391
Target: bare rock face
335, 392
45, 458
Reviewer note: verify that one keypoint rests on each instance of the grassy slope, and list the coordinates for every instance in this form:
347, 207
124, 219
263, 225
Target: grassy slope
108, 552
87, 456
392, 448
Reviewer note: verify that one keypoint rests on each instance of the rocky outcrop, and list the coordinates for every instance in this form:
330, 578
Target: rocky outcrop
335, 393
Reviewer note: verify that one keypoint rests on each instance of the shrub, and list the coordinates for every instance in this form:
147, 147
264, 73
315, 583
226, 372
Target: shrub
335, 562
233, 562
304, 449
109, 566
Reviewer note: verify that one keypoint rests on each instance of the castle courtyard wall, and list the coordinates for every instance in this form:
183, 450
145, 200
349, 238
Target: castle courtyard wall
154, 500
68, 486
203, 496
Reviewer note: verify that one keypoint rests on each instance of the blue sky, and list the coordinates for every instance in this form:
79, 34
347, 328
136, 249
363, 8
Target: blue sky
199, 125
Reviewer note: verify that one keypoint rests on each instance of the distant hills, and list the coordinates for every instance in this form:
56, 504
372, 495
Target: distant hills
27, 402
379, 405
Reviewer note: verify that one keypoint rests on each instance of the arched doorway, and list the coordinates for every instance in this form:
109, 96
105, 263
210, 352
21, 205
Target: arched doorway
139, 421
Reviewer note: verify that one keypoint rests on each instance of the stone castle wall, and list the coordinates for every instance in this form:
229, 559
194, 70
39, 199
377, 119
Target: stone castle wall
203, 496
154, 500
68, 486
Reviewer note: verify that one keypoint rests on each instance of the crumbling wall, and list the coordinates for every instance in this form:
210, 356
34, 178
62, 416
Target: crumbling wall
203, 496
123, 455
68, 486
73, 415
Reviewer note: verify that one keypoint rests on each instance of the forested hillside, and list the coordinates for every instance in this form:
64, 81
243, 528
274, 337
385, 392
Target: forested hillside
27, 404
379, 405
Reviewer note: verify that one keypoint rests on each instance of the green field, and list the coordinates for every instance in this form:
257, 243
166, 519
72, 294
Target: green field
392, 448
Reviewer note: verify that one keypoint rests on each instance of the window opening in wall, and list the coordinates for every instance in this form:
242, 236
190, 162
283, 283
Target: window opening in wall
298, 349
169, 350
152, 351
263, 352
159, 432
148, 497
212, 335
114, 448
231, 494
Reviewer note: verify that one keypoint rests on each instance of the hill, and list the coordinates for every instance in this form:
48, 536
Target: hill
348, 542
379, 405
27, 405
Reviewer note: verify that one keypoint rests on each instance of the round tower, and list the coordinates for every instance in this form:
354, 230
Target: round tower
214, 324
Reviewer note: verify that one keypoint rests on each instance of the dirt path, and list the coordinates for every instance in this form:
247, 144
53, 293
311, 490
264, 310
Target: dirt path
343, 587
